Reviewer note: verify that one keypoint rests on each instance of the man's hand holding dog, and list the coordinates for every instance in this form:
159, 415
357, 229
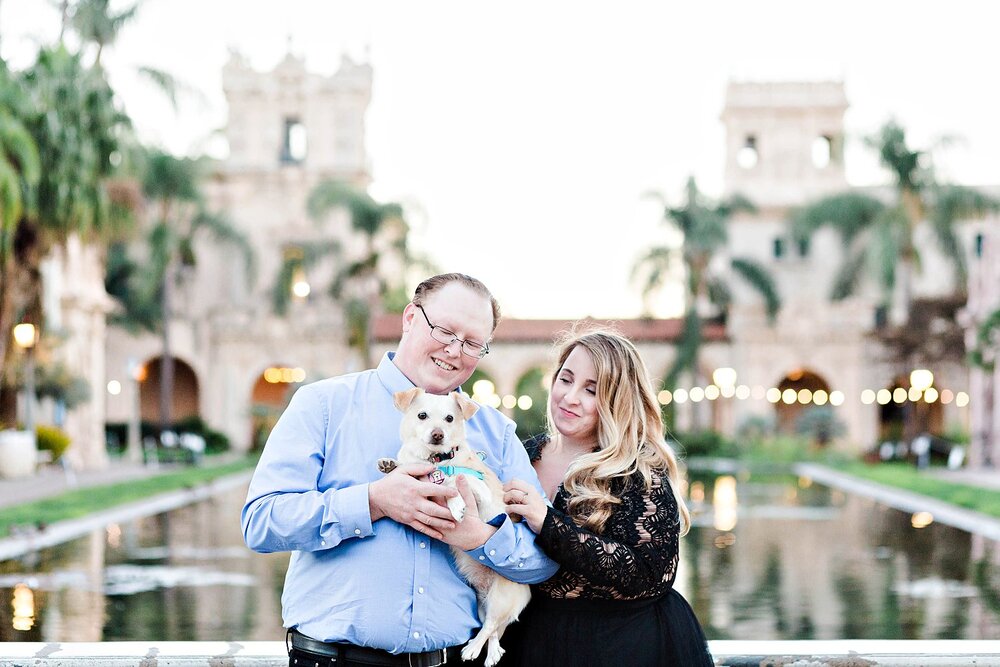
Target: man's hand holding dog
405, 497
471, 532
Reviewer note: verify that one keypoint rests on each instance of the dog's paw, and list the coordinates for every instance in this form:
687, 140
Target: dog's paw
386, 465
457, 506
472, 650
492, 656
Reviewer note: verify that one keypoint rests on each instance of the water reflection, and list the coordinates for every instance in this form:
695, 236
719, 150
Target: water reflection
767, 558
804, 561
183, 575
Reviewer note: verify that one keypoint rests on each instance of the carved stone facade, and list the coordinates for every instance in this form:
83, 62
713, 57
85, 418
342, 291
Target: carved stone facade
289, 129
785, 149
76, 306
984, 384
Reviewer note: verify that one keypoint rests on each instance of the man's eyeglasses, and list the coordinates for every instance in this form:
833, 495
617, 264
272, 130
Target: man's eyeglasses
442, 335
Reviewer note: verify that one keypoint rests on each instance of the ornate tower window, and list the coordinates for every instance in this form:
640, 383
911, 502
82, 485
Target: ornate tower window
747, 157
294, 144
822, 151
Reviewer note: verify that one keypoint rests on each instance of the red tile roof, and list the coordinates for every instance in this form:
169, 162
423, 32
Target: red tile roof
387, 329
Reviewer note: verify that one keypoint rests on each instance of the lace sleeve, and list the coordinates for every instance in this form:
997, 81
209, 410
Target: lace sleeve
635, 557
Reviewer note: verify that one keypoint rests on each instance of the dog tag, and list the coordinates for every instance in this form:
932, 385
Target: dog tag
436, 476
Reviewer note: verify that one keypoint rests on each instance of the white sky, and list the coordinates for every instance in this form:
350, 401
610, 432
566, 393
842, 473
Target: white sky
528, 131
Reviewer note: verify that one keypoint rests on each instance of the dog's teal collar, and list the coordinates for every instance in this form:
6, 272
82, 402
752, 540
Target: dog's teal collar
450, 471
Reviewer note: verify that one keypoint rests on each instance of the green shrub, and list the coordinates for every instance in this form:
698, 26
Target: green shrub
777, 449
819, 423
215, 441
116, 434
704, 443
52, 439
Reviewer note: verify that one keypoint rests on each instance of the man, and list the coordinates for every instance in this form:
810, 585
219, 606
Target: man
371, 580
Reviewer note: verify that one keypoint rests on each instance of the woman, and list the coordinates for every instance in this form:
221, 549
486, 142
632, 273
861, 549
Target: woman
614, 523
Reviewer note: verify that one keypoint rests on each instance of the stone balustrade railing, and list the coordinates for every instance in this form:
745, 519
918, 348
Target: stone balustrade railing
839, 653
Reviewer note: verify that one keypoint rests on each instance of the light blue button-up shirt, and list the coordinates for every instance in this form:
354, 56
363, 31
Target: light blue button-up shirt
382, 585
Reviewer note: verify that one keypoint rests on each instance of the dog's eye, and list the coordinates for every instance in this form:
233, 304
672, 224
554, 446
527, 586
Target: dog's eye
449, 419
422, 415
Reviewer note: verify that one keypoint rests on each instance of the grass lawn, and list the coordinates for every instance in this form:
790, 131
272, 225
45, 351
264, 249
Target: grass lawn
81, 502
905, 476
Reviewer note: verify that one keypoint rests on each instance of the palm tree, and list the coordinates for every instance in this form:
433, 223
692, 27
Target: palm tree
95, 22
878, 235
171, 186
702, 225
19, 174
70, 114
98, 24
358, 279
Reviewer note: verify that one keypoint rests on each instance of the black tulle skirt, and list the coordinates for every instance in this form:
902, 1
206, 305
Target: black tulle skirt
660, 632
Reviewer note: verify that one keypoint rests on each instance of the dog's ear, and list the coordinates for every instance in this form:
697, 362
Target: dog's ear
402, 399
466, 405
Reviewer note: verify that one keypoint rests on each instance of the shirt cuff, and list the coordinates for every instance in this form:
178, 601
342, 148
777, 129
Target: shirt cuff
499, 549
352, 512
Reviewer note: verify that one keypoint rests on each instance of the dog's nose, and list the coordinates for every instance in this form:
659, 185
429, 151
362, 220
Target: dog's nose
437, 435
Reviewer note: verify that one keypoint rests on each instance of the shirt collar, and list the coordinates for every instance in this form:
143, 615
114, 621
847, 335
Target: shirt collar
392, 378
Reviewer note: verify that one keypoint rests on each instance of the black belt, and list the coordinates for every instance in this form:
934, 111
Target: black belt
373, 656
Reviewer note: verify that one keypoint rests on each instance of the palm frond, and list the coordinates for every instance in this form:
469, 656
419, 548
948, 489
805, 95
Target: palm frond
736, 203
952, 204
848, 276
366, 214
849, 213
896, 156
281, 291
761, 281
162, 81
653, 268
224, 231
170, 178
885, 249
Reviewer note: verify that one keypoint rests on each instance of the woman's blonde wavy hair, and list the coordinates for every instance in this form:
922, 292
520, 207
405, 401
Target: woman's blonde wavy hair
630, 433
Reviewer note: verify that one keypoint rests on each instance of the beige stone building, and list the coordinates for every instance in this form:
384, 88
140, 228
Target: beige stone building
289, 128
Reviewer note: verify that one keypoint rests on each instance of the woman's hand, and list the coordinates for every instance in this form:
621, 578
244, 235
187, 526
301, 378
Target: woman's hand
524, 500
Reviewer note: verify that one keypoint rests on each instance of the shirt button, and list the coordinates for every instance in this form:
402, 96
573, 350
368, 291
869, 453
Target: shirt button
521, 564
357, 531
493, 552
416, 635
323, 542
420, 590
423, 545
482, 558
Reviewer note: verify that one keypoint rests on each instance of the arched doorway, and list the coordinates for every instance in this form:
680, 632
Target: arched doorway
799, 391
270, 395
185, 399
905, 412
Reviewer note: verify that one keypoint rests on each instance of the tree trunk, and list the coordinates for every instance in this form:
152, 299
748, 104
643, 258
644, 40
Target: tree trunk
166, 358
64, 22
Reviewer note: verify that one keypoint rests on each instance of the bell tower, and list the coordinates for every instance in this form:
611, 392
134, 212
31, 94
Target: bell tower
784, 141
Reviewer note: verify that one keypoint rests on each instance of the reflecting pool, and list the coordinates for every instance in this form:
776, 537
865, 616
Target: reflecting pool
783, 558
767, 558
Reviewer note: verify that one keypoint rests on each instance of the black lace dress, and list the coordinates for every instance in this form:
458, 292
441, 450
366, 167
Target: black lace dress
612, 602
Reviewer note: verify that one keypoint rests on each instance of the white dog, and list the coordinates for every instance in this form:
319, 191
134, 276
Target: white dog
433, 430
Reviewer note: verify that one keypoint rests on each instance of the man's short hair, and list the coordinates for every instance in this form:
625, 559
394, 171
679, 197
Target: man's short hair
434, 283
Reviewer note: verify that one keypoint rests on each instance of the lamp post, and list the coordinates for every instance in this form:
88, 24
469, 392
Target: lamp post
26, 335
133, 450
